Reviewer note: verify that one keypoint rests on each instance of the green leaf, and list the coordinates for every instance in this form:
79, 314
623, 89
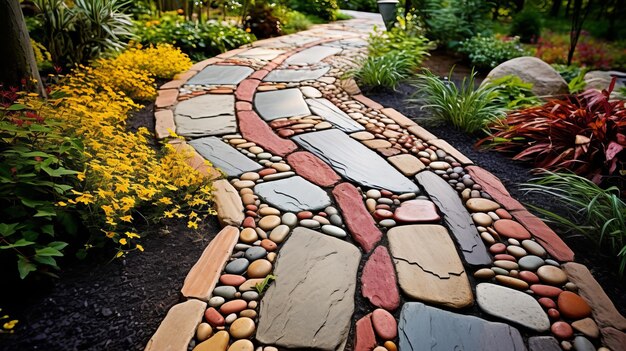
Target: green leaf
25, 267
58, 245
31, 203
48, 251
8, 229
16, 107
19, 243
45, 213
48, 229
47, 260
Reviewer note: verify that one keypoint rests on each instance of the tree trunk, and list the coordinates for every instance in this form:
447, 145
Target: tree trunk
556, 7
17, 59
578, 18
568, 7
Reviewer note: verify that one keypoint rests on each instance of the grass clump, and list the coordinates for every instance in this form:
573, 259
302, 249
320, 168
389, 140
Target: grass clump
385, 71
465, 107
596, 213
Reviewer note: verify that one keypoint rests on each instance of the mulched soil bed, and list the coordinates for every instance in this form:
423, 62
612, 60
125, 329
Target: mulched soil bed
512, 173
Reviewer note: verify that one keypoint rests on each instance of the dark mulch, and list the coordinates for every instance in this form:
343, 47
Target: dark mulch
512, 173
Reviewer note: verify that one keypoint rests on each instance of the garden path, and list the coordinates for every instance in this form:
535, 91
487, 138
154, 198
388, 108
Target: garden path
379, 235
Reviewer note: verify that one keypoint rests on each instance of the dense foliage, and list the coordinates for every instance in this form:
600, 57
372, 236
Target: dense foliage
584, 133
198, 40
464, 107
386, 70
324, 9
596, 213
486, 52
513, 93
527, 26
591, 53
452, 21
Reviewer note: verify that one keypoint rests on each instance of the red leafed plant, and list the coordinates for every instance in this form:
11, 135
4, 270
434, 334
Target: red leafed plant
584, 133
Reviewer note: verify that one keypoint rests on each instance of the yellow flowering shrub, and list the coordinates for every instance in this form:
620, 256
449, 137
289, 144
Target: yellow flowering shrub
125, 179
163, 61
134, 82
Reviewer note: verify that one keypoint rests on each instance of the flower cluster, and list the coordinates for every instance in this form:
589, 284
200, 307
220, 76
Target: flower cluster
590, 52
162, 61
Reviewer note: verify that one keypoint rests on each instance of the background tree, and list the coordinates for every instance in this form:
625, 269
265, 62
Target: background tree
17, 59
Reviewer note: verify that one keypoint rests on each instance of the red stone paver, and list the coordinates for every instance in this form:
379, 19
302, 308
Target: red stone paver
311, 168
246, 89
378, 280
254, 129
365, 339
359, 221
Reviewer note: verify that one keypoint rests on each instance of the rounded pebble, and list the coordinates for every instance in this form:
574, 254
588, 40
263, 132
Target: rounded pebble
531, 262
259, 268
248, 235
227, 292
289, 219
204, 331
255, 253
552, 275
237, 266
279, 233
562, 330
242, 328
334, 231
242, 345
484, 273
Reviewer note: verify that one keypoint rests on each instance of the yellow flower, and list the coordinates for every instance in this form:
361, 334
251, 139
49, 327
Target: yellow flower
192, 224
123, 241
139, 247
165, 201
127, 218
61, 204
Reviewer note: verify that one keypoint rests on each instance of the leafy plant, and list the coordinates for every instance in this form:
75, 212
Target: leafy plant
385, 71
513, 93
527, 26
262, 22
324, 9
38, 168
450, 22
84, 31
260, 287
596, 213
198, 40
487, 52
465, 107
584, 133
590, 52
292, 21
405, 37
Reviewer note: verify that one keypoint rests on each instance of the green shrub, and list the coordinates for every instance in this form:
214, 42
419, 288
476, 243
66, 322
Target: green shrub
486, 53
450, 22
527, 26
359, 5
387, 70
324, 9
82, 32
513, 93
466, 108
292, 21
262, 22
38, 168
198, 40
596, 213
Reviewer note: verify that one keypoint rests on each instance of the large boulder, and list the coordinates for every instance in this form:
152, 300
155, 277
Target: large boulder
601, 80
545, 79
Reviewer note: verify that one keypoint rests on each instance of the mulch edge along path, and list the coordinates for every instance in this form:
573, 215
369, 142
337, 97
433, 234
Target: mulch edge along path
525, 273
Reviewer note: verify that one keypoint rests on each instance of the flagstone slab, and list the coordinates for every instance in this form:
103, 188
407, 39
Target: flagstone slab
428, 328
361, 224
543, 343
429, 268
295, 75
254, 129
354, 161
203, 276
228, 203
456, 217
312, 55
512, 305
262, 53
224, 156
221, 75
293, 194
334, 115
281, 103
378, 280
178, 327
310, 305
206, 115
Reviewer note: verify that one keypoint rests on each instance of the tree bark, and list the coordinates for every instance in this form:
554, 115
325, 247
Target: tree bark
17, 59
556, 7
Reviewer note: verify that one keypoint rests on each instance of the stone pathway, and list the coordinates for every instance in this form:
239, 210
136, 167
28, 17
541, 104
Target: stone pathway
327, 196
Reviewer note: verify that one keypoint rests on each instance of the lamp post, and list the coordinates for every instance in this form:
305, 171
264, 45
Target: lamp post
388, 9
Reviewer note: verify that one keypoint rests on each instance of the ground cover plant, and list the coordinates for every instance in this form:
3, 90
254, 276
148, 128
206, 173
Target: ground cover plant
596, 213
487, 52
512, 93
464, 107
585, 133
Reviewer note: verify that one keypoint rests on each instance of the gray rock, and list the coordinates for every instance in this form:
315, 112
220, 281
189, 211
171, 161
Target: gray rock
310, 92
221, 75
296, 75
227, 292
312, 55
310, 304
602, 79
543, 343
583, 344
456, 217
334, 231
335, 219
250, 295
293, 194
261, 54
512, 305
254, 253
310, 223
334, 115
534, 248
216, 301
531, 262
206, 115
545, 79
237, 266
289, 219
224, 156
281, 103
427, 328
354, 161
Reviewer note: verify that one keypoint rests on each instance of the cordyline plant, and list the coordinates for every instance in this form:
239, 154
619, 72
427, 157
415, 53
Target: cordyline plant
584, 133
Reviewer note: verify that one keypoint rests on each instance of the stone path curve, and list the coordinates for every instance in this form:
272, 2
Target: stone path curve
334, 197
